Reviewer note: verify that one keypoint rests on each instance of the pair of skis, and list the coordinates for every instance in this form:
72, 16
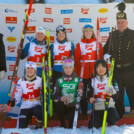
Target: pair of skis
12, 93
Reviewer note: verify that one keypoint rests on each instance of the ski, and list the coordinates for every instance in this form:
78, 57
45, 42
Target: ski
20, 47
50, 84
45, 95
78, 98
107, 98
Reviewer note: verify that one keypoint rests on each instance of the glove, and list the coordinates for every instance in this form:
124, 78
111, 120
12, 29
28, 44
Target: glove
106, 57
2, 75
12, 103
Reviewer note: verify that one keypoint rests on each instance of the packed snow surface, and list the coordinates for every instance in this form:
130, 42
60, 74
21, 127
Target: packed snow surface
125, 129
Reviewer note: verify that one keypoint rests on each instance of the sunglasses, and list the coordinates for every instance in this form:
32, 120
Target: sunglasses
88, 25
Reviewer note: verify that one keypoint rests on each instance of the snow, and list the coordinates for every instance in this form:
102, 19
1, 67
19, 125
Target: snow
125, 129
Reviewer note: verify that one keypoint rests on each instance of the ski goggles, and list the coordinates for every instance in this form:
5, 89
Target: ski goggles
88, 26
60, 27
68, 62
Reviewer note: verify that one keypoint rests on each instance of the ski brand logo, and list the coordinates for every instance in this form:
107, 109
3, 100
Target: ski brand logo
103, 10
11, 39
69, 86
66, 20
31, 29
32, 10
48, 10
103, 20
85, 19
11, 29
105, 29
37, 49
30, 86
69, 30
30, 38
51, 39
89, 48
12, 20
101, 86
50, 20
10, 10
84, 10
61, 48
104, 38
11, 67
11, 49
69, 11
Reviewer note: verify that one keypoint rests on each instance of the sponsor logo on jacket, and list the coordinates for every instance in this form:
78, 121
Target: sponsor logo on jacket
104, 38
12, 20
11, 67
30, 86
68, 30
10, 10
38, 49
31, 29
32, 10
48, 10
105, 29
89, 48
101, 86
85, 19
66, 20
11, 49
103, 19
84, 10
103, 10
61, 48
67, 11
11, 39
11, 29
50, 20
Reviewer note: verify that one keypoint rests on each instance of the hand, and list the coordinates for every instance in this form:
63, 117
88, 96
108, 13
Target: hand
92, 99
12, 103
106, 92
81, 91
106, 57
2, 75
63, 99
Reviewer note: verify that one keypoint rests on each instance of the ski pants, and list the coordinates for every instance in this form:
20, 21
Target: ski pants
97, 119
62, 110
125, 80
25, 116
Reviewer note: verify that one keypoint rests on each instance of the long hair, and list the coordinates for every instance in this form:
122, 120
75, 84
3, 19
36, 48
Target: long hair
93, 35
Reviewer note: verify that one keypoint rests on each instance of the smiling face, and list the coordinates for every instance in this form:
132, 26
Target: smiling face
40, 36
88, 34
122, 24
61, 35
30, 71
68, 70
101, 70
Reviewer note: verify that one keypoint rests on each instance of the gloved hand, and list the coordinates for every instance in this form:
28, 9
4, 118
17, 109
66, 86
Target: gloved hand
12, 103
106, 57
2, 75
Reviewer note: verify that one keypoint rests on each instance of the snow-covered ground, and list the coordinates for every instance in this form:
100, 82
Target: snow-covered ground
125, 129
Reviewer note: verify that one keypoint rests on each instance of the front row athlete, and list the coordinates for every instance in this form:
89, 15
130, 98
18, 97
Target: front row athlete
28, 88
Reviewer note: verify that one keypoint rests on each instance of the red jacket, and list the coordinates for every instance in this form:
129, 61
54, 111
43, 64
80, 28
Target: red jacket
86, 50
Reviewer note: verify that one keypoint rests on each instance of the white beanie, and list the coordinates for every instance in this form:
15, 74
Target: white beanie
40, 29
31, 64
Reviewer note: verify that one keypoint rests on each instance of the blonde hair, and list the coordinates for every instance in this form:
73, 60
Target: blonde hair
93, 35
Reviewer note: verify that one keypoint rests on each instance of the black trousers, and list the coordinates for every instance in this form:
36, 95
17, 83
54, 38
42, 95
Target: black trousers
63, 110
83, 102
112, 118
125, 80
25, 115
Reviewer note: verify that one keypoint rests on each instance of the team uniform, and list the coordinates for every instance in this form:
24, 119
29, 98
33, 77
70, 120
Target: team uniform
29, 91
86, 51
58, 51
66, 86
97, 87
35, 51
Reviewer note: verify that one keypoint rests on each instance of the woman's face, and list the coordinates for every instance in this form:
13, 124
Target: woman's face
101, 70
30, 71
40, 36
68, 70
88, 34
61, 35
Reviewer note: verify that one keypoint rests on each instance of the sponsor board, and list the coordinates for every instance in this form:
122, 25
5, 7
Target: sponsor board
3, 107
32, 10
50, 20
103, 20
10, 10
66, 20
84, 10
12, 20
10, 58
30, 20
67, 11
30, 38
11, 49
105, 29
68, 30
11, 29
51, 39
11, 67
11, 39
104, 39
85, 19
103, 10
31, 29
10, 77
48, 10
